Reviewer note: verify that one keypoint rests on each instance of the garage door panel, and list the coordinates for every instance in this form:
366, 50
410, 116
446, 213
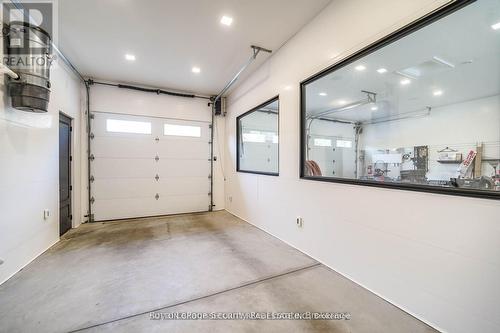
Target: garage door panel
185, 168
113, 147
188, 203
124, 188
184, 149
183, 186
141, 207
125, 169
125, 208
141, 188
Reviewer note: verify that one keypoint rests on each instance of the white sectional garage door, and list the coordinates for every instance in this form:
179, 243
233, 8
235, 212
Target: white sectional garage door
145, 166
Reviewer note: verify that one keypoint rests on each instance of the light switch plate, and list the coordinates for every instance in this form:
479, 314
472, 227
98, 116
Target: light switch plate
46, 214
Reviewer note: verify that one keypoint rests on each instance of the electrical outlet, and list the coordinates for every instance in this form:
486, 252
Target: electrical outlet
300, 222
46, 214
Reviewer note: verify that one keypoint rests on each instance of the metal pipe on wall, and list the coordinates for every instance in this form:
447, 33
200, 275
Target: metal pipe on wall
89, 171
211, 208
151, 90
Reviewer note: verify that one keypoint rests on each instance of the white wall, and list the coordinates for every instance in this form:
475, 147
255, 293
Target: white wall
435, 256
29, 172
116, 100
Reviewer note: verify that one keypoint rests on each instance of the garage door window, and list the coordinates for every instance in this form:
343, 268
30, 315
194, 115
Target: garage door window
182, 130
128, 126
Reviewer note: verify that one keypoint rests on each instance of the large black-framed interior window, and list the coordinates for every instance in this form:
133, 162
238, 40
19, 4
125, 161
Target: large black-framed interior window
418, 110
257, 133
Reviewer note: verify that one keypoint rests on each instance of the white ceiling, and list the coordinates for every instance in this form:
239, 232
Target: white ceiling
465, 39
169, 37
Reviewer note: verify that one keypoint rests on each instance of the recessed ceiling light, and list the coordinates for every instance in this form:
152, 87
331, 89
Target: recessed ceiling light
342, 102
288, 87
382, 70
404, 82
130, 57
437, 93
496, 26
226, 20
374, 108
323, 94
196, 70
360, 68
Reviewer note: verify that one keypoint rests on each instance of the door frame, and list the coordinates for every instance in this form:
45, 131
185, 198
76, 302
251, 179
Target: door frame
65, 118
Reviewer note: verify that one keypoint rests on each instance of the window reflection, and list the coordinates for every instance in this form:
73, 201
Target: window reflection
258, 141
423, 110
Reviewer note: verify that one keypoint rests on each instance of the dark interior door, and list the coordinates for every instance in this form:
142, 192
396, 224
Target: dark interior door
65, 216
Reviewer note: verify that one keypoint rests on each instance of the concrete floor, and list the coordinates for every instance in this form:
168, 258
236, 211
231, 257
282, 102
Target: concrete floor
110, 276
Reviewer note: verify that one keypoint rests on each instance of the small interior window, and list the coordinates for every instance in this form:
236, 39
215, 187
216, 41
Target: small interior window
258, 139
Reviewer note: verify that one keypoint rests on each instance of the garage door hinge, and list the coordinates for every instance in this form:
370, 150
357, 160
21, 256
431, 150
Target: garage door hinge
92, 200
92, 179
92, 136
209, 142
157, 178
157, 196
157, 139
91, 116
92, 157
209, 176
157, 158
209, 193
210, 126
